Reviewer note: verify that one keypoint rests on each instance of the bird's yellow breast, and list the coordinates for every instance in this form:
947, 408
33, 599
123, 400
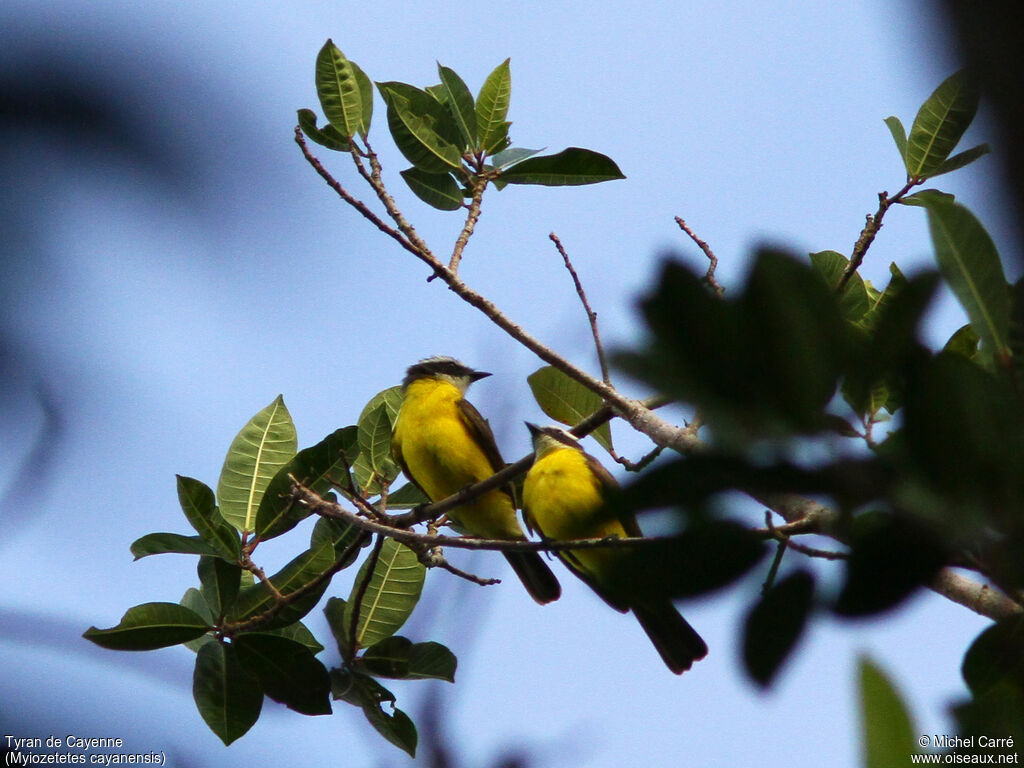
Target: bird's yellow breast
563, 499
431, 439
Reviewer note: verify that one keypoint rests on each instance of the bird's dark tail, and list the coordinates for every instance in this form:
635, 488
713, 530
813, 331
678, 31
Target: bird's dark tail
538, 579
673, 637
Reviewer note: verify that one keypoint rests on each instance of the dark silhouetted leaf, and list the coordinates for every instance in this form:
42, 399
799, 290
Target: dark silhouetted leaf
774, 625
891, 556
703, 558
996, 657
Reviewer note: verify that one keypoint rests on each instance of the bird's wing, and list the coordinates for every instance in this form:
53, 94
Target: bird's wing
482, 435
396, 454
608, 483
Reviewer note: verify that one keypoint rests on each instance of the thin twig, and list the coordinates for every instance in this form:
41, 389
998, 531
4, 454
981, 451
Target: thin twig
643, 463
472, 217
433, 557
709, 276
871, 226
591, 314
413, 539
254, 622
344, 194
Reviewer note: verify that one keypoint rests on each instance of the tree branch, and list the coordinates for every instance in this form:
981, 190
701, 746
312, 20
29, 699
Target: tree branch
871, 226
591, 314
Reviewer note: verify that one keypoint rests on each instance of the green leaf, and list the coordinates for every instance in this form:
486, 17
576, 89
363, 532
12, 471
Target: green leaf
888, 733
163, 543
149, 626
193, 600
287, 671
298, 632
392, 593
438, 190
492, 108
510, 157
334, 611
396, 727
939, 124
219, 581
775, 624
328, 136
899, 135
365, 95
422, 128
341, 93
970, 263
375, 425
854, 301
961, 159
257, 599
964, 342
226, 695
570, 167
460, 102
400, 658
318, 468
259, 450
407, 497
200, 509
363, 691
567, 401
340, 535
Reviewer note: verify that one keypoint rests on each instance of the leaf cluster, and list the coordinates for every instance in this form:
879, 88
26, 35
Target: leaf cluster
806, 354
245, 627
456, 143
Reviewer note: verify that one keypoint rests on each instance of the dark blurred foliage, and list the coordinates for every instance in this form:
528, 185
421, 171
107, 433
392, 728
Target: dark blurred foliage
67, 110
991, 38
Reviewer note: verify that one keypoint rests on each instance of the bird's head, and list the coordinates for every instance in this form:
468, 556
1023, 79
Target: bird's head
444, 368
547, 439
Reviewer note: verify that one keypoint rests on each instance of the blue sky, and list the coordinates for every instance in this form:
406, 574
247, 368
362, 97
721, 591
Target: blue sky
163, 306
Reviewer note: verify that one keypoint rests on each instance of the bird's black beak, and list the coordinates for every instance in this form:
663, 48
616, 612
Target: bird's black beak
477, 375
534, 429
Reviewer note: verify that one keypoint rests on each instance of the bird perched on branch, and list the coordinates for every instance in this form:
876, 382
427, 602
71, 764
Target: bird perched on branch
443, 444
563, 499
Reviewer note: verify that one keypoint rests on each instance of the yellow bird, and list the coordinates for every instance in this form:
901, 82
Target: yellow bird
443, 444
563, 499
